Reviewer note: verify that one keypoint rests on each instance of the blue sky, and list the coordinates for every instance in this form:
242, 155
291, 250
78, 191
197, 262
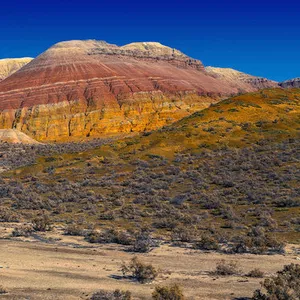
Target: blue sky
258, 37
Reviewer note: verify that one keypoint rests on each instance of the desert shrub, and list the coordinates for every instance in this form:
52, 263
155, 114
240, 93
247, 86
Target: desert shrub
268, 221
139, 271
73, 230
165, 223
109, 215
256, 273
172, 292
286, 202
6, 215
2, 290
25, 230
41, 223
258, 241
125, 237
184, 234
115, 295
226, 268
92, 236
207, 242
284, 286
143, 242
109, 235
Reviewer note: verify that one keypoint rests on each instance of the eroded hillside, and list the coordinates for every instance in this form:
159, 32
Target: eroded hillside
220, 172
81, 89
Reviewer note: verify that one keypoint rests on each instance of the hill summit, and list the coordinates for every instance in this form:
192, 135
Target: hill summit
79, 89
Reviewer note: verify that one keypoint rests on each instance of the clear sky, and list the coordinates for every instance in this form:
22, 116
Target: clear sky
258, 37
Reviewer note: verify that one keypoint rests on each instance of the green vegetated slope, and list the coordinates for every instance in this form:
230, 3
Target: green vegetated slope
240, 121
219, 172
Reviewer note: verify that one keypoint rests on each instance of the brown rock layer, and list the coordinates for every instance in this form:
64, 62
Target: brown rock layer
78, 89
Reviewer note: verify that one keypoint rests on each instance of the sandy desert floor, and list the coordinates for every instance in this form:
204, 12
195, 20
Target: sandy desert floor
70, 268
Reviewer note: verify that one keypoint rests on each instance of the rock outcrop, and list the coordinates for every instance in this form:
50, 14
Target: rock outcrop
9, 66
292, 83
244, 81
79, 89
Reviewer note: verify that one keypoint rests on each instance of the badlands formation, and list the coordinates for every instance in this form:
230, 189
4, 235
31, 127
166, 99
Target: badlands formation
79, 89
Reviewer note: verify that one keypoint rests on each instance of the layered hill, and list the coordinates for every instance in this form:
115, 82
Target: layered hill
292, 83
79, 89
245, 82
272, 114
9, 66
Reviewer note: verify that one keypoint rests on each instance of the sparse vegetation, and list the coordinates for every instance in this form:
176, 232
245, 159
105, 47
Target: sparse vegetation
256, 273
115, 295
24, 230
207, 242
139, 271
284, 286
173, 292
224, 268
41, 223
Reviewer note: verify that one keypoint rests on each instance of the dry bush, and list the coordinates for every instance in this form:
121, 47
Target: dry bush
143, 242
224, 268
284, 286
139, 271
2, 290
41, 223
207, 242
172, 292
184, 234
258, 241
25, 230
115, 295
73, 230
6, 215
256, 273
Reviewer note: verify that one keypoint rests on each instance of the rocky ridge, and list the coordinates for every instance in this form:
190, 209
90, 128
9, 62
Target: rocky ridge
291, 83
245, 81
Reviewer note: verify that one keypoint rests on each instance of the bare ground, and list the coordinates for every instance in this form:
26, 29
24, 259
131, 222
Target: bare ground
70, 268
